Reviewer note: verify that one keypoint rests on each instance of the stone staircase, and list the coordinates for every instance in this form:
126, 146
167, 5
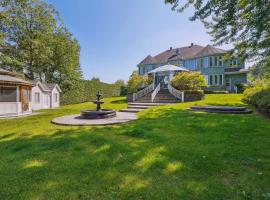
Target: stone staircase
163, 97
139, 106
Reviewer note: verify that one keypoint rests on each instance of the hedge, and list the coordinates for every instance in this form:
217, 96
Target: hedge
259, 96
193, 95
216, 92
85, 91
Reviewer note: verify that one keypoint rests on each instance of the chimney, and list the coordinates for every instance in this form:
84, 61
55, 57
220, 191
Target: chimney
170, 48
191, 44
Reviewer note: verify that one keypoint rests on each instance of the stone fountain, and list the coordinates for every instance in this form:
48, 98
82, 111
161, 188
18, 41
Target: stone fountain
98, 113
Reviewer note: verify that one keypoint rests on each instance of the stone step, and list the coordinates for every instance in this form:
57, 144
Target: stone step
167, 101
165, 98
131, 110
138, 107
146, 104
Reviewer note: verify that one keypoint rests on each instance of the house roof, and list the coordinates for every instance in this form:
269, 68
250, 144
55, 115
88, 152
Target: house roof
210, 50
148, 59
7, 77
183, 53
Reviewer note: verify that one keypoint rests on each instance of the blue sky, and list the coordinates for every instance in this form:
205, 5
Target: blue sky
115, 35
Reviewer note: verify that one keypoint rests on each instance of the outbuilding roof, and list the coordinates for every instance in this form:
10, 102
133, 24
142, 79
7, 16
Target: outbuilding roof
46, 87
7, 77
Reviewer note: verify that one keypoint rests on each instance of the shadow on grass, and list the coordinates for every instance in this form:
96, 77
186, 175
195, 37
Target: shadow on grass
166, 154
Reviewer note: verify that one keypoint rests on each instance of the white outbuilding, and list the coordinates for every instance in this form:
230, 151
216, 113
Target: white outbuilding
45, 96
19, 96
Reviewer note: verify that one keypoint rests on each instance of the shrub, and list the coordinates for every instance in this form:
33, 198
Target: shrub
137, 82
241, 87
258, 95
188, 81
193, 95
216, 92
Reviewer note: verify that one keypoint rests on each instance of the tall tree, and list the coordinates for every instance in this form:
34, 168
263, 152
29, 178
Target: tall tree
64, 67
35, 42
27, 27
245, 23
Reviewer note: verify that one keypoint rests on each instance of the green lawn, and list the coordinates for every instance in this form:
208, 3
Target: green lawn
168, 153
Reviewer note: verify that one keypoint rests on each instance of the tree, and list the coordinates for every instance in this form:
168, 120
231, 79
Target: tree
259, 72
135, 82
27, 27
120, 82
188, 81
245, 23
34, 41
64, 61
123, 88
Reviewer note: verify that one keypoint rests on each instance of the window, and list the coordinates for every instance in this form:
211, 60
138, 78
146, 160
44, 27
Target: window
228, 82
216, 79
55, 96
46, 100
216, 61
220, 80
220, 61
211, 80
8, 94
37, 97
206, 79
201, 62
140, 70
234, 63
211, 61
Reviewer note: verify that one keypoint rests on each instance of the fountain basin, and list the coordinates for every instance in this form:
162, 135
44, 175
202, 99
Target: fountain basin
97, 114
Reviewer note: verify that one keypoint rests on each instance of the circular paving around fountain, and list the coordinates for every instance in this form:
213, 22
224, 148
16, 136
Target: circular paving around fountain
75, 120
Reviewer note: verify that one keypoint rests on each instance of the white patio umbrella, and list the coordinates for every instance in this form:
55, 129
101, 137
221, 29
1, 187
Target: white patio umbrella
166, 68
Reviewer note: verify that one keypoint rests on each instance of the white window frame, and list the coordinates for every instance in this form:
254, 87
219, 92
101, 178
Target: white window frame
55, 98
37, 97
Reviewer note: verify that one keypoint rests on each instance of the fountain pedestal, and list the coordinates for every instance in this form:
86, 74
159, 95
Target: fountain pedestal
98, 113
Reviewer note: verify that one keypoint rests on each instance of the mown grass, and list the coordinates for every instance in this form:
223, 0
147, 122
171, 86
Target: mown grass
168, 153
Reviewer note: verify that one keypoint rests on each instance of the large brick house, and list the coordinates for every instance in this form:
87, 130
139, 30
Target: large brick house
219, 74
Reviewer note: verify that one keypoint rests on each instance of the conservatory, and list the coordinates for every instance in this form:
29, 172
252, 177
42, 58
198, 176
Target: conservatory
15, 95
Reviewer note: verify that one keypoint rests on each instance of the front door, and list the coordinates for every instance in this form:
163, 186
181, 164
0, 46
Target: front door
164, 82
25, 99
228, 84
